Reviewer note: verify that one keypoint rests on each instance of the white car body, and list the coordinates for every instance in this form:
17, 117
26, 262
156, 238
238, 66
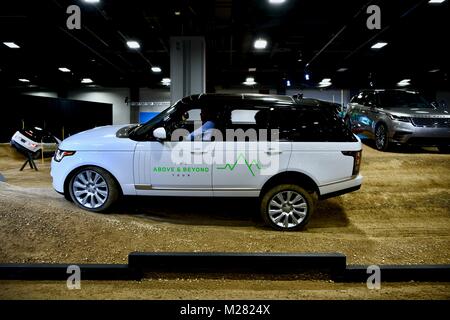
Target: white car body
318, 156
132, 163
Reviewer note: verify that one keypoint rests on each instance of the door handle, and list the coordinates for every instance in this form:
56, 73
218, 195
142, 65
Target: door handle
273, 152
198, 152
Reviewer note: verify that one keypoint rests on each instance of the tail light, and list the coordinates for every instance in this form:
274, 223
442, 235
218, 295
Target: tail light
356, 160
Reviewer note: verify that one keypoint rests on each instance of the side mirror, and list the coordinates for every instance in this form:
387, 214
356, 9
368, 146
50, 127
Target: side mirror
160, 133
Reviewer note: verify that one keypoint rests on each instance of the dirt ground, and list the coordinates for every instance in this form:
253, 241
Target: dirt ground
400, 216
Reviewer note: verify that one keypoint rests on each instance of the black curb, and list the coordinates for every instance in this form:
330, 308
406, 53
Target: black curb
238, 262
140, 263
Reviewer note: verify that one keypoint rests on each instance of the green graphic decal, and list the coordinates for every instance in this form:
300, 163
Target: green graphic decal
249, 165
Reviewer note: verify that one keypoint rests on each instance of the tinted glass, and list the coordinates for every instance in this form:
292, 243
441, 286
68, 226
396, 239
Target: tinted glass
402, 99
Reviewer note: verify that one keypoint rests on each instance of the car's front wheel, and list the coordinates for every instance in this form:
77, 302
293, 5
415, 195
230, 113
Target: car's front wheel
381, 137
93, 189
287, 207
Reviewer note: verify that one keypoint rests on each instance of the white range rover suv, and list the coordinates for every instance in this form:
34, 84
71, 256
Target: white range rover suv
288, 152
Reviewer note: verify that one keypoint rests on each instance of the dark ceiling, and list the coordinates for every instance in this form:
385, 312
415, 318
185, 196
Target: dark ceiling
416, 33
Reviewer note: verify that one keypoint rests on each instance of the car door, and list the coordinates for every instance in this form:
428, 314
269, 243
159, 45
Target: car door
173, 167
246, 158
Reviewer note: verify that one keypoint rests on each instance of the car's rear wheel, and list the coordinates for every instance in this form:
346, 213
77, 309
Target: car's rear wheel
287, 207
93, 189
381, 137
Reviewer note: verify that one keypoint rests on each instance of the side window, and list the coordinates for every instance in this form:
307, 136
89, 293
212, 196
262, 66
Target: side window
370, 99
245, 124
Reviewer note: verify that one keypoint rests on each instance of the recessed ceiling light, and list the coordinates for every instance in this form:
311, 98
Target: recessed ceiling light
92, 1
379, 45
64, 69
300, 60
133, 44
325, 83
250, 81
276, 1
11, 45
156, 69
342, 69
24, 80
436, 1
404, 83
177, 13
434, 70
260, 44
86, 80
251, 69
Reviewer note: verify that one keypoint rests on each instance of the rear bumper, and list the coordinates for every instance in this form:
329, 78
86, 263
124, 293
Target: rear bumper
340, 188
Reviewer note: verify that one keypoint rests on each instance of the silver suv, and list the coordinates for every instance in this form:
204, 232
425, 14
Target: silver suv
401, 117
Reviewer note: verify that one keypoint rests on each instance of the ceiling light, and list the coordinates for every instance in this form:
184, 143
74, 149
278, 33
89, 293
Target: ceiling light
86, 80
277, 1
299, 60
342, 69
24, 80
64, 69
133, 44
250, 81
379, 45
11, 45
156, 69
436, 1
434, 70
288, 83
404, 83
92, 1
260, 44
177, 13
325, 83
166, 81
307, 77
251, 69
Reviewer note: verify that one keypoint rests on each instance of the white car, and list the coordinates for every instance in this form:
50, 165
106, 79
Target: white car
34, 141
288, 152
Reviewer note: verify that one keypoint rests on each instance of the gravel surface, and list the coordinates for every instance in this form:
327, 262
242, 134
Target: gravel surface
400, 216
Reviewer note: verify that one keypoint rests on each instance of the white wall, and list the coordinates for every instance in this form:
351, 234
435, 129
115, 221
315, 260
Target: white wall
115, 96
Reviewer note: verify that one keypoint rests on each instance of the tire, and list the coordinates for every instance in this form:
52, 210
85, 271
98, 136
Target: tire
93, 189
289, 218
381, 137
444, 149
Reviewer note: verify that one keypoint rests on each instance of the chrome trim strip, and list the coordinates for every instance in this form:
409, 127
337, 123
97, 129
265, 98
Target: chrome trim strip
143, 187
150, 187
339, 181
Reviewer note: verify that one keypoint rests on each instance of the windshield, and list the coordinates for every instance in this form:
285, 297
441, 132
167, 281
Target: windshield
143, 129
403, 99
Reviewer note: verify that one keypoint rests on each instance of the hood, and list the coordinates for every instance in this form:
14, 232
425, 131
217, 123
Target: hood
100, 138
419, 112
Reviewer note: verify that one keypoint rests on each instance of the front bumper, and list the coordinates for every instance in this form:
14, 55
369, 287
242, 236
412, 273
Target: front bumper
407, 133
58, 174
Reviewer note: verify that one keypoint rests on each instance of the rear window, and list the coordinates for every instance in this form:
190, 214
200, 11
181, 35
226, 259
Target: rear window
309, 125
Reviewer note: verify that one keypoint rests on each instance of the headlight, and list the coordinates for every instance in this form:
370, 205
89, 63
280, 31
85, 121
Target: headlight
399, 118
60, 154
